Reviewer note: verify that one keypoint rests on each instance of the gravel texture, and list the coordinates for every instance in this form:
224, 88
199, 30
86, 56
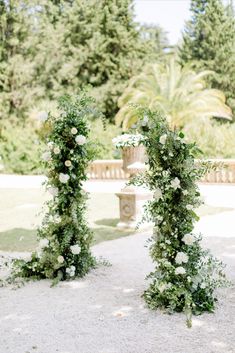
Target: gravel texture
104, 312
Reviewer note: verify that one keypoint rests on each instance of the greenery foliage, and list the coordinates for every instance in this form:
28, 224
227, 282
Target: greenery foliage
185, 275
64, 236
181, 94
209, 44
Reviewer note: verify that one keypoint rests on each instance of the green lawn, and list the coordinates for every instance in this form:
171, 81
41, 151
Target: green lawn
19, 217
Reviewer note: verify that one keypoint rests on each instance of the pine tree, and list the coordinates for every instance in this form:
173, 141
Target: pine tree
209, 43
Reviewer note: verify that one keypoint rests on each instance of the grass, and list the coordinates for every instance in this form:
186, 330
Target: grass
19, 216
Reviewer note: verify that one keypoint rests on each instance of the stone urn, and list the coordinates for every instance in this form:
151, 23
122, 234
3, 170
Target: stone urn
132, 155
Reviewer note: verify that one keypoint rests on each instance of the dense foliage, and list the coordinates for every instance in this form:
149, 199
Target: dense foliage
57, 47
185, 275
64, 236
182, 95
209, 44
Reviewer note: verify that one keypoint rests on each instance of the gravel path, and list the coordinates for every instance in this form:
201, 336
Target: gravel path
104, 312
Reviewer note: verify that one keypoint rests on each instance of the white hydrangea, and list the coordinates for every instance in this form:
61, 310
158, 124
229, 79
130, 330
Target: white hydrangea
46, 156
188, 239
63, 178
71, 271
157, 194
75, 249
68, 163
74, 131
53, 191
80, 139
163, 139
60, 259
56, 150
181, 257
175, 183
43, 243
180, 271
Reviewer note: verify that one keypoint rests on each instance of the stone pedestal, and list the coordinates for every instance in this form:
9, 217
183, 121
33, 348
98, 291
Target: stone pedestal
132, 198
131, 202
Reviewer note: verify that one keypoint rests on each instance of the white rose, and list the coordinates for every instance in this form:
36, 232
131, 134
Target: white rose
157, 194
188, 239
181, 257
46, 156
53, 191
56, 150
80, 139
74, 131
42, 116
162, 139
180, 271
43, 243
75, 249
68, 163
175, 183
71, 271
189, 207
63, 178
60, 259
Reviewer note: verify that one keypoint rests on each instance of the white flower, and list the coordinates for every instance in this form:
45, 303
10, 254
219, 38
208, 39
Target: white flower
68, 163
43, 243
157, 194
189, 207
180, 271
162, 287
181, 257
188, 239
75, 249
168, 241
50, 144
71, 271
57, 219
63, 178
56, 150
74, 130
145, 121
162, 139
80, 139
175, 183
185, 192
53, 191
60, 259
42, 116
46, 156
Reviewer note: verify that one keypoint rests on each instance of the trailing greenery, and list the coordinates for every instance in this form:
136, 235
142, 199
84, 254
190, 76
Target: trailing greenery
185, 275
209, 44
182, 95
64, 236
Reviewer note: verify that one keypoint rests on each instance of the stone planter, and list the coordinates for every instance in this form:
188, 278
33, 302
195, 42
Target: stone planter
131, 155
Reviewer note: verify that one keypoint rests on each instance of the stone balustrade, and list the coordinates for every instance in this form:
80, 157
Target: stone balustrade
112, 170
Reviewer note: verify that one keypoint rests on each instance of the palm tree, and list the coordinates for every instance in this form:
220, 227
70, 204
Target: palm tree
181, 94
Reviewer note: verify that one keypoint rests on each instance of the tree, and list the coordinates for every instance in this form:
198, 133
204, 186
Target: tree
181, 94
209, 44
93, 43
17, 68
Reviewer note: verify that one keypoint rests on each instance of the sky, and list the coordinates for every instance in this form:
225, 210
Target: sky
169, 14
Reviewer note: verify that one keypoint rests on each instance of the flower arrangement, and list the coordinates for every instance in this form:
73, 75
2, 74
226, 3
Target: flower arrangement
128, 140
185, 274
64, 236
